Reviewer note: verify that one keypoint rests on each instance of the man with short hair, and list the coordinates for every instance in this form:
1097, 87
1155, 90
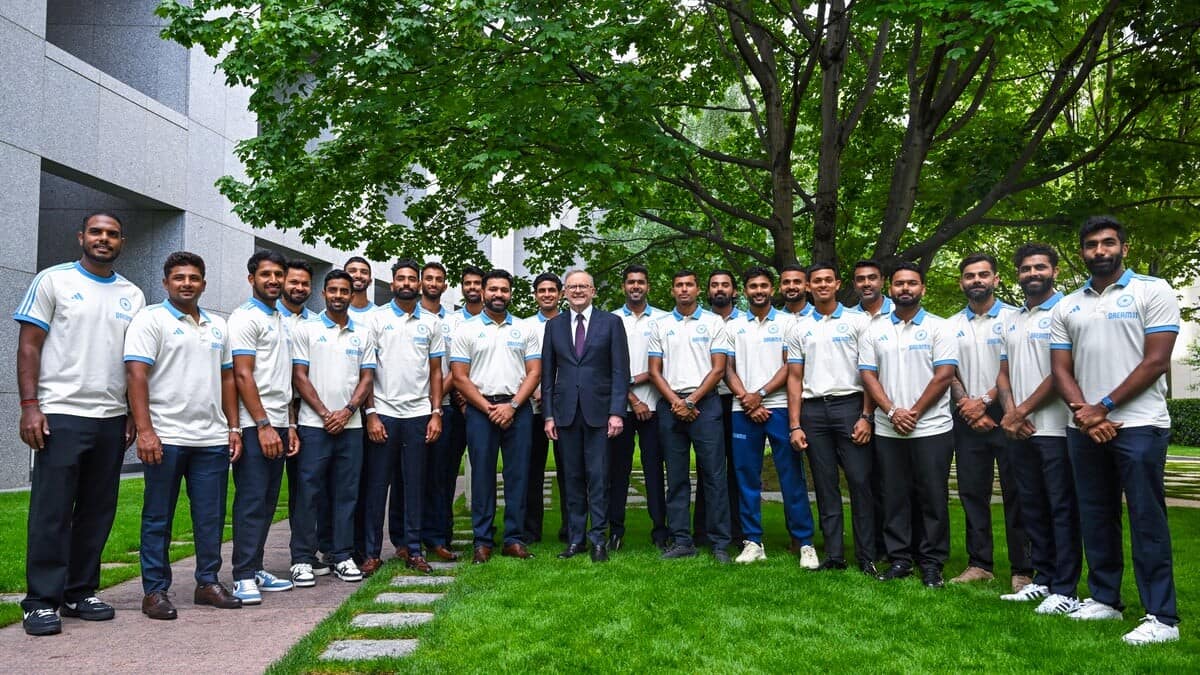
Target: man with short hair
686, 358
906, 363
333, 363
548, 293
73, 417
793, 286
640, 418
262, 370
831, 420
1111, 345
359, 270
184, 403
1035, 421
496, 365
867, 276
979, 442
757, 375
297, 288
404, 415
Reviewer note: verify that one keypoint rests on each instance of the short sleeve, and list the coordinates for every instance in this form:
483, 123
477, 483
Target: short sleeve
945, 346
437, 340
867, 358
37, 307
142, 339
793, 343
460, 348
1060, 334
654, 342
243, 334
367, 355
299, 344
533, 340
722, 341
226, 352
1161, 311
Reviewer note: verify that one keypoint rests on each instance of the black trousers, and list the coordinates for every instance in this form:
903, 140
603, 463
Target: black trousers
620, 466
1046, 486
975, 456
700, 527
535, 511
916, 476
828, 426
703, 436
584, 452
72, 503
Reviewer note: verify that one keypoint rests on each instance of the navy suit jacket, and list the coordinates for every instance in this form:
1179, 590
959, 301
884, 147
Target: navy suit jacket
596, 385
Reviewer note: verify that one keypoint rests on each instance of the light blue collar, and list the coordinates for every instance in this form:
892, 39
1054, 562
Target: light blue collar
695, 315
1048, 304
330, 323
1122, 282
95, 277
179, 315
917, 319
837, 312
287, 312
508, 318
993, 311
267, 309
401, 313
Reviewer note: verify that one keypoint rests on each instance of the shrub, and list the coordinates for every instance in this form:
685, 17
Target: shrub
1185, 420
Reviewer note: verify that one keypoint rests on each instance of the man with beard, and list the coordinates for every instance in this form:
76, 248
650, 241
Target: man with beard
867, 276
297, 287
1035, 421
1111, 345
496, 365
906, 363
360, 271
404, 415
979, 442
830, 419
686, 357
757, 375
72, 385
722, 299
793, 286
548, 293
262, 370
640, 419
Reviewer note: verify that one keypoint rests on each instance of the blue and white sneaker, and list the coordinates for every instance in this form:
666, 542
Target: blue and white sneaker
269, 583
247, 591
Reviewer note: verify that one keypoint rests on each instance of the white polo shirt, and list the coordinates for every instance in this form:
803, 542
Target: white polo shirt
256, 329
980, 342
336, 357
637, 334
1027, 351
496, 352
537, 323
904, 354
885, 309
362, 312
290, 321
404, 345
722, 388
827, 345
1106, 335
759, 351
186, 359
686, 345
85, 317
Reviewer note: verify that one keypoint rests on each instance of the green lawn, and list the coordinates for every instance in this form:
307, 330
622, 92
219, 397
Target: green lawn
642, 614
1183, 451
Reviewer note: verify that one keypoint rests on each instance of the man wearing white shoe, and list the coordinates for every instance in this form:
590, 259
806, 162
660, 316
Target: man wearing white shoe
1111, 345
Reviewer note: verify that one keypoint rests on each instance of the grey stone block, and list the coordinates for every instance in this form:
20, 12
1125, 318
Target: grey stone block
20, 174
121, 141
409, 598
356, 650
206, 163
72, 11
439, 565
404, 580
164, 164
20, 86
206, 91
236, 248
391, 620
28, 14
15, 456
68, 122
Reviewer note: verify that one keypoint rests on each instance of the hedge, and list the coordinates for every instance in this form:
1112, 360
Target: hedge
1185, 420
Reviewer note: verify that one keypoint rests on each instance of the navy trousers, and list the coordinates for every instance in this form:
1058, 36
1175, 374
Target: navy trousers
327, 473
206, 470
441, 474
486, 442
256, 482
705, 436
405, 446
620, 466
975, 456
1046, 486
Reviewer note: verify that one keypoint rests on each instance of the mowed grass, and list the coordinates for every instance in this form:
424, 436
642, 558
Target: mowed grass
642, 614
1183, 451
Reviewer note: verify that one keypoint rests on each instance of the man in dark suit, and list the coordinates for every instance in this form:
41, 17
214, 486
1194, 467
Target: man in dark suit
585, 384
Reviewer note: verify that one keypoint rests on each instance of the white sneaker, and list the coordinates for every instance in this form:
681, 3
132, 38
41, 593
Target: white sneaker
247, 591
1150, 631
302, 575
751, 552
1030, 592
1093, 610
347, 571
1058, 604
270, 583
808, 558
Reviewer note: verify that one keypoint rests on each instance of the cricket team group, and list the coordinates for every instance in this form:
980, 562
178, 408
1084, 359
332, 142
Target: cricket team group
370, 409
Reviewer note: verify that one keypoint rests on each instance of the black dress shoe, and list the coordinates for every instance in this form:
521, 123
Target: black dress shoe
932, 577
572, 551
599, 553
868, 568
896, 571
721, 556
831, 564
614, 542
679, 551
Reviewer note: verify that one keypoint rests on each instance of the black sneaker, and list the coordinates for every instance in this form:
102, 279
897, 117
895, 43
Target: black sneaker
896, 571
932, 577
41, 622
89, 609
679, 551
832, 564
721, 556
868, 568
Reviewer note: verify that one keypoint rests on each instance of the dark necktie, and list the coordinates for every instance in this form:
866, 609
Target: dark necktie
579, 336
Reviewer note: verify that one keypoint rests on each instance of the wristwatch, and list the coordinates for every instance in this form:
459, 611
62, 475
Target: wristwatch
762, 393
1107, 402
867, 417
263, 423
352, 408
987, 400
689, 403
514, 404
235, 430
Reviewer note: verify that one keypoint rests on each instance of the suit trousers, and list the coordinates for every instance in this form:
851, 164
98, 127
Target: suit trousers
328, 473
584, 451
828, 425
1134, 463
207, 472
704, 436
72, 503
916, 475
1046, 487
291, 470
539, 450
620, 465
749, 439
734, 526
445, 459
404, 447
485, 443
975, 455
256, 482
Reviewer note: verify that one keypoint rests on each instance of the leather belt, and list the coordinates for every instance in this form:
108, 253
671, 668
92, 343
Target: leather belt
833, 398
498, 398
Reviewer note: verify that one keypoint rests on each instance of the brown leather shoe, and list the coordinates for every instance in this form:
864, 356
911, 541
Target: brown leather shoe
370, 566
418, 563
443, 553
972, 574
216, 595
157, 606
516, 550
402, 554
482, 555
1020, 581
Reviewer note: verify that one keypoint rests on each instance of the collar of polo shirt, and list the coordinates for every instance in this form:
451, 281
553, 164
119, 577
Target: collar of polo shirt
1121, 283
885, 308
401, 313
95, 277
993, 312
837, 312
920, 316
303, 314
330, 323
1048, 304
508, 318
542, 318
179, 315
770, 315
629, 312
694, 315
267, 309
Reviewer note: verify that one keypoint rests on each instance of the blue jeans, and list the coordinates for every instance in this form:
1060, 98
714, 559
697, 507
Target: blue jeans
749, 439
1133, 463
327, 471
207, 473
256, 493
445, 459
704, 435
485, 442
405, 445
1046, 487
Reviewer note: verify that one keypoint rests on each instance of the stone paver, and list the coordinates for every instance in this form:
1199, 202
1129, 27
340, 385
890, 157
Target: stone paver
634, 500
113, 566
439, 565
409, 598
391, 620
405, 580
354, 650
